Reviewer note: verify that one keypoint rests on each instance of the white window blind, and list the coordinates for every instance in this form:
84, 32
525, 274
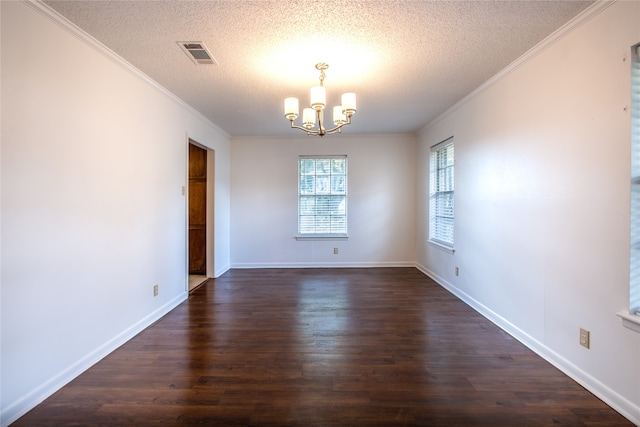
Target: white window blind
634, 276
322, 196
441, 191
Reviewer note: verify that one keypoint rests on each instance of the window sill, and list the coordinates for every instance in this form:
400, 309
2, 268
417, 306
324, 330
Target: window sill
442, 246
322, 237
630, 321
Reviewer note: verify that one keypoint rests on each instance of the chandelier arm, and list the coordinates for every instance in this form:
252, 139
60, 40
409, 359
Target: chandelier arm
308, 131
334, 130
338, 127
322, 131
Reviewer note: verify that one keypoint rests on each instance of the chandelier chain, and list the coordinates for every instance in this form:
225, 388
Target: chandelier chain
321, 66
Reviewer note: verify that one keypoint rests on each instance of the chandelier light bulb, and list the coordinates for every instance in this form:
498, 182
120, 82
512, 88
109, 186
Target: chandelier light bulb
291, 108
338, 116
349, 103
308, 118
318, 98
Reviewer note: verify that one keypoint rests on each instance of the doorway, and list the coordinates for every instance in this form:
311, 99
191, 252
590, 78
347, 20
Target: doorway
197, 213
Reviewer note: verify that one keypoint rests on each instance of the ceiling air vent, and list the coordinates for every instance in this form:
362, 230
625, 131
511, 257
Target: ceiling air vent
197, 52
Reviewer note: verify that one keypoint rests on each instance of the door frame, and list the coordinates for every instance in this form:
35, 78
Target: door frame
210, 216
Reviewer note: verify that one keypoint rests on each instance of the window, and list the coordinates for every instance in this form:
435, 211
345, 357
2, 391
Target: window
322, 196
634, 276
441, 194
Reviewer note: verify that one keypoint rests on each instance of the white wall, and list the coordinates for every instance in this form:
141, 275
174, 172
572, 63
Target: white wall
381, 203
93, 163
92, 215
542, 203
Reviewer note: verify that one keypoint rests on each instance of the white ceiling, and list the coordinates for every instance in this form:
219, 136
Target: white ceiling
407, 61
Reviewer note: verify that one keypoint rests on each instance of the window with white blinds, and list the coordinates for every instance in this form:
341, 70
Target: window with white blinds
634, 275
441, 187
322, 196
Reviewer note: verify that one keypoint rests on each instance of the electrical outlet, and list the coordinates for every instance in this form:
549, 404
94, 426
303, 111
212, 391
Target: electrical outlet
155, 290
584, 337
335, 251
457, 271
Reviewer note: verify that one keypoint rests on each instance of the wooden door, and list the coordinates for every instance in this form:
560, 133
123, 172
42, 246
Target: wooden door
197, 210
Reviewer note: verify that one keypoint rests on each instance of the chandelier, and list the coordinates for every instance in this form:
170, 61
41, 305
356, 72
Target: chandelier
341, 113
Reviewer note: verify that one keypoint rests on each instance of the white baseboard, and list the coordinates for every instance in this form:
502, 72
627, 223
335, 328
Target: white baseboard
618, 402
221, 271
23, 405
249, 265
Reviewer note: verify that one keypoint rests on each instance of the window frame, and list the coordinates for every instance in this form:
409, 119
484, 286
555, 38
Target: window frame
634, 268
343, 233
441, 185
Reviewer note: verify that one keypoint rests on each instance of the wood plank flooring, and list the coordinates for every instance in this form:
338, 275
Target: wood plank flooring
322, 347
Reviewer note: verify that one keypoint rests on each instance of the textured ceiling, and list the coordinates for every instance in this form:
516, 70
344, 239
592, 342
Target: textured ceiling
407, 61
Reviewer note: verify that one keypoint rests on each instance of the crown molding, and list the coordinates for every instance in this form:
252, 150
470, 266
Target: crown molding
98, 46
583, 17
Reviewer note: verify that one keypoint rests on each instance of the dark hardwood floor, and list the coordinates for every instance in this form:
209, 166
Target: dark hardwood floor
323, 347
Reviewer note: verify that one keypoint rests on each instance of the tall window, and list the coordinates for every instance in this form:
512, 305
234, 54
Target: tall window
322, 196
634, 276
441, 194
